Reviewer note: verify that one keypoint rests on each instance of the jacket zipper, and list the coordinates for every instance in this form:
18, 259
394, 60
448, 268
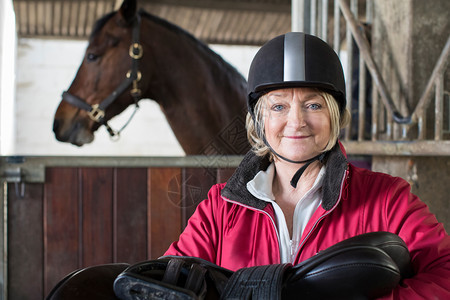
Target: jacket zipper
324, 215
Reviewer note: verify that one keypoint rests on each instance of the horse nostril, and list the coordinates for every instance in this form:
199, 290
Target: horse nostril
55, 126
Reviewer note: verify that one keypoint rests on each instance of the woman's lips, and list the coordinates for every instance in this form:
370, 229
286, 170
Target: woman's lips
296, 137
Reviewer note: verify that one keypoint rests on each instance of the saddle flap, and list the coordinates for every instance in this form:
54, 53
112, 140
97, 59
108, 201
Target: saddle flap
354, 272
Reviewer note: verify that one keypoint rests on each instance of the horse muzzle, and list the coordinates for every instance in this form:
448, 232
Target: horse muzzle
77, 134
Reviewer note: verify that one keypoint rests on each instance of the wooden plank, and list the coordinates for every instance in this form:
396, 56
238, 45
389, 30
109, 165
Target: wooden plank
97, 215
130, 215
25, 234
164, 214
195, 183
61, 225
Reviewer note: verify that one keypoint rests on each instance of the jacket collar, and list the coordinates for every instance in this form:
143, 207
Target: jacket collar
236, 187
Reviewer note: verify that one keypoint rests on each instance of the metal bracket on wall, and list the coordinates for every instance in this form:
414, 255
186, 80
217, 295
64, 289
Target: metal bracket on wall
16, 175
16, 169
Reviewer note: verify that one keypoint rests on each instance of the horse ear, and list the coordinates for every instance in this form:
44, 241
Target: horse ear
128, 10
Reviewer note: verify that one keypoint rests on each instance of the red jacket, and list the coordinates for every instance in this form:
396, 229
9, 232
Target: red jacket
233, 229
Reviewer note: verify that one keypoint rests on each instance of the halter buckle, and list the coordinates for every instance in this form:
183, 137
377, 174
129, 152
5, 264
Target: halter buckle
136, 51
138, 75
96, 113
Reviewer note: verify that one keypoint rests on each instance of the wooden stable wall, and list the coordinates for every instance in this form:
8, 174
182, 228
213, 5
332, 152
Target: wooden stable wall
83, 216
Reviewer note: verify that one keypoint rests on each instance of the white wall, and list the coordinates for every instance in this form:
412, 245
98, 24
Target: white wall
47, 67
7, 77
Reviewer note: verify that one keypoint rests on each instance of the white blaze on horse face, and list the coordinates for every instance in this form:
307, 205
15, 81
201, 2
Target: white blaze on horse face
297, 122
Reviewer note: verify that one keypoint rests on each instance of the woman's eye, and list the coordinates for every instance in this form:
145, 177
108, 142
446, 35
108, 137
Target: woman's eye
91, 57
315, 106
277, 107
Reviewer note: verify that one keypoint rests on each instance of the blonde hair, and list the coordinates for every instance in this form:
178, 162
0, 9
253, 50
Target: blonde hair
255, 130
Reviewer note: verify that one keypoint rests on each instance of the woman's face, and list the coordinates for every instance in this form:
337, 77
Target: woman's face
297, 122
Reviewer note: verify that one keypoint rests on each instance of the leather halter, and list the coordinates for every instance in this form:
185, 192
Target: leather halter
97, 111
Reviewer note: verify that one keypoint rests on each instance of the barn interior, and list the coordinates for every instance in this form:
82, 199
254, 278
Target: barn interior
59, 200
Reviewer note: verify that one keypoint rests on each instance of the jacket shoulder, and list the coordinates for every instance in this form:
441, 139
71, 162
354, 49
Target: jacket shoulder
215, 200
370, 177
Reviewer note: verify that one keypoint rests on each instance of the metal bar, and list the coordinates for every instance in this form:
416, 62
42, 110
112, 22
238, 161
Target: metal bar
447, 98
325, 20
349, 78
369, 11
4, 241
361, 99
375, 114
337, 28
389, 125
389, 129
313, 17
382, 117
421, 126
300, 15
373, 128
438, 71
318, 17
439, 108
364, 48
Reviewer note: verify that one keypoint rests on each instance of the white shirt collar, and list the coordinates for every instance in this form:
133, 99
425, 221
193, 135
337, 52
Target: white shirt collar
261, 185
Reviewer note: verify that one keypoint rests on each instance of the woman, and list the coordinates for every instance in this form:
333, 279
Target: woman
295, 194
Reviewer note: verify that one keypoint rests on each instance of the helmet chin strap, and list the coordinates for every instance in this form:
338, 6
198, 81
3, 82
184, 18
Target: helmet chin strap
299, 173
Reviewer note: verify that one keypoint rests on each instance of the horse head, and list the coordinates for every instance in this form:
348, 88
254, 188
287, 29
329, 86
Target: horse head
100, 79
194, 87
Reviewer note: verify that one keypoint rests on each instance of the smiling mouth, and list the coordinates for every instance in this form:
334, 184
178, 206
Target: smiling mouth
296, 137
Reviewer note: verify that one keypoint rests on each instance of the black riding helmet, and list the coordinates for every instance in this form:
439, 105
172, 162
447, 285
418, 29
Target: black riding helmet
296, 59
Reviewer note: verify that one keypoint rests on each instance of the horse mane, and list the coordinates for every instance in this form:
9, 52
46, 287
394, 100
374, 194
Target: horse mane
202, 46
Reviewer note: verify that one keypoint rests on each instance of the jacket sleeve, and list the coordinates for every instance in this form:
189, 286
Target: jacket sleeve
201, 235
428, 243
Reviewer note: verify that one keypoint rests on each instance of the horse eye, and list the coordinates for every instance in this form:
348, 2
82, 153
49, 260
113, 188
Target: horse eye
91, 57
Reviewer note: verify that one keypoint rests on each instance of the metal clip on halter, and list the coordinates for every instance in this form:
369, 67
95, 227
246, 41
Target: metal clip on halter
135, 91
96, 113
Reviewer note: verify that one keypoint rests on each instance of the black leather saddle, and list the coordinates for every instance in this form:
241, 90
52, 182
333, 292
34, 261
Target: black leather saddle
95, 282
362, 267
172, 277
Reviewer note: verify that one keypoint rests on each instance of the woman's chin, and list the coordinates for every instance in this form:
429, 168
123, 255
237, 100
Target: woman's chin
299, 154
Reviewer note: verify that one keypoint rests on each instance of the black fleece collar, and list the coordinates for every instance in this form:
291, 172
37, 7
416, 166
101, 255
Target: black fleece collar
236, 187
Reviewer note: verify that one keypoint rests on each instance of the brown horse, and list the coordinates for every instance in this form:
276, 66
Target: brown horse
133, 55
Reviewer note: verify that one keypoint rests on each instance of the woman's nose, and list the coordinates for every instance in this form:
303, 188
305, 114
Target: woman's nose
296, 116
